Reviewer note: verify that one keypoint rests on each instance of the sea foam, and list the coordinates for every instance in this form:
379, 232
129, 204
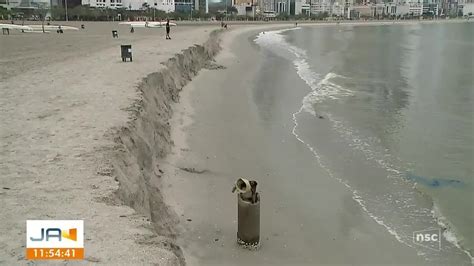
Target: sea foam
324, 88
321, 89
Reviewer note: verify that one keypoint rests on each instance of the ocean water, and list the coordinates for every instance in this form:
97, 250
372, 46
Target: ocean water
389, 112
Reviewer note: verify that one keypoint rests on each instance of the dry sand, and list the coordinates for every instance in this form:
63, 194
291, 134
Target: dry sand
63, 100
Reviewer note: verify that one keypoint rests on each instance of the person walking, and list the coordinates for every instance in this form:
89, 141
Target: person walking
168, 29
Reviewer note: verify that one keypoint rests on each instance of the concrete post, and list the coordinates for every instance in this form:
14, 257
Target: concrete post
248, 214
248, 231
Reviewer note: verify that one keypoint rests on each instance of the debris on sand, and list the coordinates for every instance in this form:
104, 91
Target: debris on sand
193, 170
92, 259
213, 66
105, 170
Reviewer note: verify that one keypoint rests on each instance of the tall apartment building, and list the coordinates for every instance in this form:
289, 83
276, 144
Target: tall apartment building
321, 6
245, 7
266, 7
164, 5
9, 4
103, 3
430, 7
451, 7
202, 5
282, 7
184, 6
296, 7
468, 7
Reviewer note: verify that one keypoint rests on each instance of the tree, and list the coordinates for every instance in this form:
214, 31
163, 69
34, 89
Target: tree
319, 16
282, 16
57, 13
41, 11
160, 14
233, 10
4, 13
78, 12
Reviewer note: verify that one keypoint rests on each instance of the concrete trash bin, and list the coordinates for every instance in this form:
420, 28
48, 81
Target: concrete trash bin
126, 52
248, 231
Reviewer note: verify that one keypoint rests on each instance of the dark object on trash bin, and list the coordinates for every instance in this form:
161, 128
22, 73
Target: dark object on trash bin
114, 34
126, 52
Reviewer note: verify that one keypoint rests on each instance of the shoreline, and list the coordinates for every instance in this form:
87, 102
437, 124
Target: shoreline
192, 126
88, 152
207, 226
448, 231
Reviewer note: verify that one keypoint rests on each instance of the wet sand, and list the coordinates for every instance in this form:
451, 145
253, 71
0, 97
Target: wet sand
307, 217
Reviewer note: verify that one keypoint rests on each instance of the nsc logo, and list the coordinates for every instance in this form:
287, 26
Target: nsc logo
429, 238
55, 239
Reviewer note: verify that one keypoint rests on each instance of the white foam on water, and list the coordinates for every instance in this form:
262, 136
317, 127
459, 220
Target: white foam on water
355, 194
384, 160
320, 91
325, 89
448, 232
363, 145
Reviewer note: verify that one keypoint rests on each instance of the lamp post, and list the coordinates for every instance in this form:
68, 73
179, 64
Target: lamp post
226, 10
309, 10
65, 4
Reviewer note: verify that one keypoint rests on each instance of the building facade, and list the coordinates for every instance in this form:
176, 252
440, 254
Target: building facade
184, 6
27, 4
320, 6
282, 7
468, 8
164, 5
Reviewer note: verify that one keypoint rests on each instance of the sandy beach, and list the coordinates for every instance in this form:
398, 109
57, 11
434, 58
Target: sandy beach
63, 100
219, 131
86, 136
228, 128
